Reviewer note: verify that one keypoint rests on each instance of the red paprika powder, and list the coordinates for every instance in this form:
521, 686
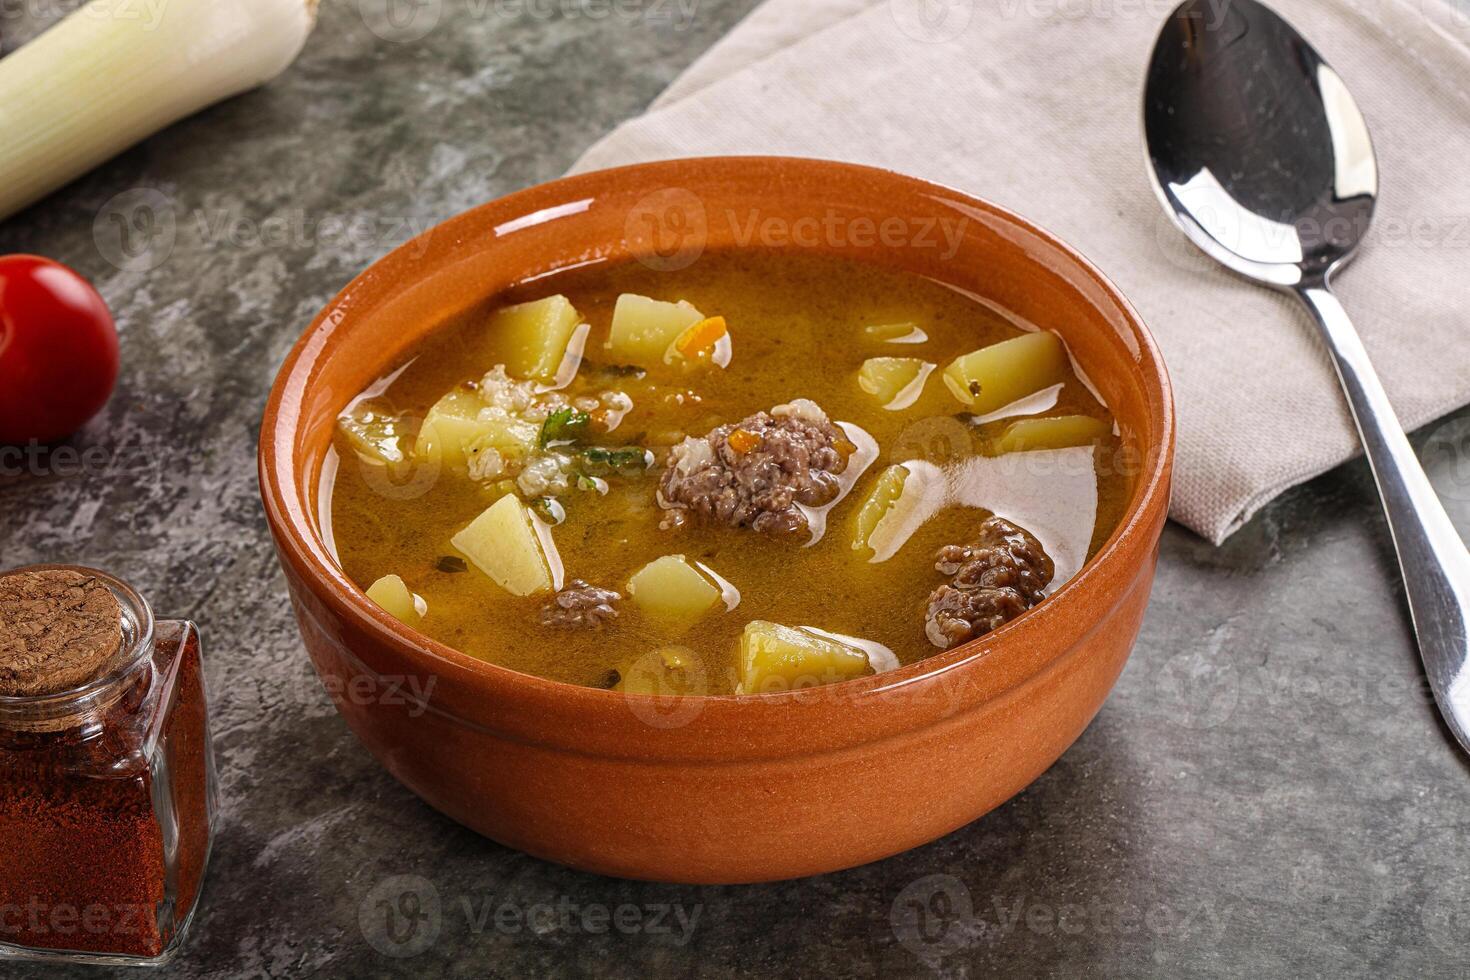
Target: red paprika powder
108, 796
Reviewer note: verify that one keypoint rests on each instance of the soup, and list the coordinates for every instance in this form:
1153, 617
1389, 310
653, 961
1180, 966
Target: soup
764, 471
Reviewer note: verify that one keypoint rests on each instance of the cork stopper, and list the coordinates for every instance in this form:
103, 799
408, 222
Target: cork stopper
59, 629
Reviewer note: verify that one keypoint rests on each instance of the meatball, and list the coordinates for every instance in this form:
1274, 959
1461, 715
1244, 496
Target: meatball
992, 581
754, 473
580, 606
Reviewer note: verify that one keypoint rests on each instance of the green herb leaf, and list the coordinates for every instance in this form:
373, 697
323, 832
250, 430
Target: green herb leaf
564, 425
616, 461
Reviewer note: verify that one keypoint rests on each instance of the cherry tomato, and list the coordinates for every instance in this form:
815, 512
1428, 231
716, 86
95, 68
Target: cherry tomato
58, 350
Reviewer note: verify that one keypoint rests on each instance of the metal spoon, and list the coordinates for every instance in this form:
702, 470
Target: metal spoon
1260, 155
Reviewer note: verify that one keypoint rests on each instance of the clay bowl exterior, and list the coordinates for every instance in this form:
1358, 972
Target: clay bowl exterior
718, 789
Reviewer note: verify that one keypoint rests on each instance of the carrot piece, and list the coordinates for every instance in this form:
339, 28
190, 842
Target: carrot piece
743, 441
701, 337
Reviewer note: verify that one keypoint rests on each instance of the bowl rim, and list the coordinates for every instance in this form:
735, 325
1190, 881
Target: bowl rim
285, 499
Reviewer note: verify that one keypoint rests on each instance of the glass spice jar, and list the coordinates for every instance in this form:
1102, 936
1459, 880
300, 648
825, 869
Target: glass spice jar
107, 784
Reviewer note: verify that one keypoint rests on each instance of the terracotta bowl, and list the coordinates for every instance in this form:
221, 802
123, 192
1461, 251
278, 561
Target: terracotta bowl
718, 789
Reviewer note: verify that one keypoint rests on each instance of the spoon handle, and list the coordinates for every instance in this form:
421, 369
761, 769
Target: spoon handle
1432, 558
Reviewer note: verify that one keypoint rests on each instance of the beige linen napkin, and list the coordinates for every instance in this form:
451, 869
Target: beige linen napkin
1035, 104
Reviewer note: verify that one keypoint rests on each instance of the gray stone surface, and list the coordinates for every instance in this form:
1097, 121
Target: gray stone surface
1266, 793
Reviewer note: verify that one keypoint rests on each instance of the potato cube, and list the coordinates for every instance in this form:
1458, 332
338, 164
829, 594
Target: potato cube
883, 498
644, 329
892, 380
393, 595
460, 425
668, 671
533, 336
1060, 432
780, 658
673, 592
993, 377
506, 434
504, 544
451, 423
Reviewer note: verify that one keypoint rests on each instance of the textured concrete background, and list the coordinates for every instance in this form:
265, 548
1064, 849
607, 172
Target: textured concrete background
1266, 793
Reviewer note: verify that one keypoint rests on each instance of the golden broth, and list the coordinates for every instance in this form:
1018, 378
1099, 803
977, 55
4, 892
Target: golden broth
796, 323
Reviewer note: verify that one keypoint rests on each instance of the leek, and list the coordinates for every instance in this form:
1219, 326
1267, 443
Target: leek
112, 74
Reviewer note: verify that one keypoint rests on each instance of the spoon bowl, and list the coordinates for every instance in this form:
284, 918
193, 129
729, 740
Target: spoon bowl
1256, 146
